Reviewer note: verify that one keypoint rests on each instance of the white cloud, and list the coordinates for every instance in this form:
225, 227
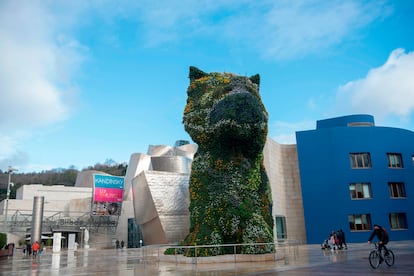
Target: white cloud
36, 69
273, 29
385, 91
9, 151
297, 29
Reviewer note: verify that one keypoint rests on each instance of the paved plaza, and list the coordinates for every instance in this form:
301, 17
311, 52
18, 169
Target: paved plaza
292, 260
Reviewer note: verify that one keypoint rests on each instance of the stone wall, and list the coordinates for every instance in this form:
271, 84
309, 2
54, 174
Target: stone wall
55, 192
282, 168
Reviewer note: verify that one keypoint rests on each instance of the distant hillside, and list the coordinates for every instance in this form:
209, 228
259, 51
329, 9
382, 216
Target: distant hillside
59, 176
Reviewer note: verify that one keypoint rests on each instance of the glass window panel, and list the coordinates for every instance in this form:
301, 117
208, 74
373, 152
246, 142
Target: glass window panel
353, 163
366, 160
360, 190
367, 193
401, 190
359, 222
398, 220
397, 190
393, 220
394, 160
360, 160
360, 165
363, 219
281, 228
394, 190
352, 191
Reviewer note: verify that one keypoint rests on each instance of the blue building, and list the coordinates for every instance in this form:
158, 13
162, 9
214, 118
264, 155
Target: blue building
353, 175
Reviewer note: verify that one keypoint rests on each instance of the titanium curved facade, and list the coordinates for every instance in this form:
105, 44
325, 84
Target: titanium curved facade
353, 175
177, 164
159, 190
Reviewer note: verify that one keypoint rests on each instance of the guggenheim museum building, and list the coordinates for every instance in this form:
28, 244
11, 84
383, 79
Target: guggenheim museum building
347, 174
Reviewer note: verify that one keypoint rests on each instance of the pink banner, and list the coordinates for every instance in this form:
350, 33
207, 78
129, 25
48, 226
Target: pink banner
108, 195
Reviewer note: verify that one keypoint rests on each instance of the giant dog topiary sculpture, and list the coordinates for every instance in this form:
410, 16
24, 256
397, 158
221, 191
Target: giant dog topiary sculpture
230, 198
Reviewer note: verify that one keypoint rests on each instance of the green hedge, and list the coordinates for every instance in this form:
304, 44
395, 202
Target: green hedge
3, 239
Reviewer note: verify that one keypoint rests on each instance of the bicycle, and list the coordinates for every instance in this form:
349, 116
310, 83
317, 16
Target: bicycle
375, 257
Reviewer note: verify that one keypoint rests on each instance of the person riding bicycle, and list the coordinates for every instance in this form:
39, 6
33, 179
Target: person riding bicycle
382, 236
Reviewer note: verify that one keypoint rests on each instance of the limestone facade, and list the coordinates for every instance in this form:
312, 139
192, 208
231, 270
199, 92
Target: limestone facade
281, 162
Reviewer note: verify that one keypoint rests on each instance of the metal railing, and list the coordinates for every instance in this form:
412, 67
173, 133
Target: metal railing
248, 252
21, 220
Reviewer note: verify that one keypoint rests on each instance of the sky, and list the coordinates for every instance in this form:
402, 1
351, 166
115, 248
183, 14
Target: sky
82, 82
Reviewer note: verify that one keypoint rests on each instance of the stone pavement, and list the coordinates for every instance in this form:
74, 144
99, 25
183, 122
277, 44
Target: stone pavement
294, 260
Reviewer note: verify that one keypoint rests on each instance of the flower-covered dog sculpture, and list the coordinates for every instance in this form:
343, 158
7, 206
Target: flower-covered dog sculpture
230, 198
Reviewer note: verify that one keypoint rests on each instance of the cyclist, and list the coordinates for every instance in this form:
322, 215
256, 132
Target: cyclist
382, 236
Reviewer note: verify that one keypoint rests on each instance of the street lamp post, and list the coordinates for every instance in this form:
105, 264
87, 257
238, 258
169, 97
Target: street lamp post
9, 183
82, 233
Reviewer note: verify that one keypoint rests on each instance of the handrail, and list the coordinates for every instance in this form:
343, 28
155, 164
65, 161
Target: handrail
179, 250
284, 242
65, 219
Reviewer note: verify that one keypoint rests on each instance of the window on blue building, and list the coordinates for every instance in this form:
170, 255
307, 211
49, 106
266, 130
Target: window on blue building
359, 222
360, 190
394, 160
398, 221
360, 160
397, 189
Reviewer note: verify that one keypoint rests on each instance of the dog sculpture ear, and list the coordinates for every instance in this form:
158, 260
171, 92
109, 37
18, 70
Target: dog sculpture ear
255, 79
196, 73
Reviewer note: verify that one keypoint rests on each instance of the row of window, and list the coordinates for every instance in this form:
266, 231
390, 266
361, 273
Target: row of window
363, 160
362, 222
363, 190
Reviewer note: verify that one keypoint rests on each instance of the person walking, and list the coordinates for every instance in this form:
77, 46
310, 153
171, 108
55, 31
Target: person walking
35, 248
333, 241
28, 249
341, 236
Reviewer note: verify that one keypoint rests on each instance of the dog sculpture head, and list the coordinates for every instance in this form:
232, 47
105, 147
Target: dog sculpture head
224, 112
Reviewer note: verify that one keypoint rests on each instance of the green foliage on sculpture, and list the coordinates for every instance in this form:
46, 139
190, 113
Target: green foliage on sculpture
230, 199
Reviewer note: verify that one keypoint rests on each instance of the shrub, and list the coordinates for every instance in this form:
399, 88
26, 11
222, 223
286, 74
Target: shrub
3, 240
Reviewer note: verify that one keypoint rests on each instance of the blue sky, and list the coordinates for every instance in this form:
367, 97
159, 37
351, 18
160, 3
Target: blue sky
86, 81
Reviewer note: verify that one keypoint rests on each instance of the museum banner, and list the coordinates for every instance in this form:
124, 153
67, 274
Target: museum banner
108, 192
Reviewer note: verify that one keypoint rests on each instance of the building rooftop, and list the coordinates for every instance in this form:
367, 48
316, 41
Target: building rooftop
347, 121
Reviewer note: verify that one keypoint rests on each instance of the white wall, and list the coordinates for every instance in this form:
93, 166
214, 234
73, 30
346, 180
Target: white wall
55, 192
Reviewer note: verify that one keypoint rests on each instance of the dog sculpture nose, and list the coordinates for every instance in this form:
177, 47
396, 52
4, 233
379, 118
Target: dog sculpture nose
236, 121
239, 108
